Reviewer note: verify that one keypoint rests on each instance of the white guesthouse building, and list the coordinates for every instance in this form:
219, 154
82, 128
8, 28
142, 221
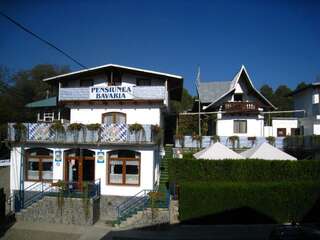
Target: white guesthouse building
241, 109
111, 118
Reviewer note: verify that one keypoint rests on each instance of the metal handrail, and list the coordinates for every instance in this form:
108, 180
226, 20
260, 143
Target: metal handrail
35, 198
129, 199
137, 201
141, 202
44, 188
132, 203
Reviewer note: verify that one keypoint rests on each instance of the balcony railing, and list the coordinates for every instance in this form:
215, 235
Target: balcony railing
138, 93
106, 134
234, 107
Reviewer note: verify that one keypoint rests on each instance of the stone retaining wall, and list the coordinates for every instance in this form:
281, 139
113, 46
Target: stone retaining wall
70, 211
108, 206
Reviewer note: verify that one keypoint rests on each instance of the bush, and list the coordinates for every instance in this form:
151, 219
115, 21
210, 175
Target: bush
277, 201
181, 170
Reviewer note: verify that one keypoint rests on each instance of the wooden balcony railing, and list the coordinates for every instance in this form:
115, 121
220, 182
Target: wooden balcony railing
238, 107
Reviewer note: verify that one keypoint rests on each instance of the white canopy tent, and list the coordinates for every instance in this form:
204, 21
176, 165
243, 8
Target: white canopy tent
217, 151
266, 151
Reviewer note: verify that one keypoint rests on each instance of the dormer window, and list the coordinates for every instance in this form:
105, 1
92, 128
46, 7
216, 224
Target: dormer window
238, 97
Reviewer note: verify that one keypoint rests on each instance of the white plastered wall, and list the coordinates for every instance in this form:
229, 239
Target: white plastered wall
15, 166
87, 114
146, 175
149, 167
283, 123
255, 126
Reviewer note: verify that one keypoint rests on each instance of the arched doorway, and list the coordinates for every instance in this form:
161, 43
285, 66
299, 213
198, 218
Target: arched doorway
79, 165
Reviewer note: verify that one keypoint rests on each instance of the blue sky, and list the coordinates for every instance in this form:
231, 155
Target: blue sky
277, 41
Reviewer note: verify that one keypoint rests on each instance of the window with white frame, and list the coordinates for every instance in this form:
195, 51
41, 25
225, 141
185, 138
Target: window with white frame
240, 126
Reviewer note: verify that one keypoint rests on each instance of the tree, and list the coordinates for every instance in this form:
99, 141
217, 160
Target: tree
283, 100
301, 85
25, 86
267, 92
185, 104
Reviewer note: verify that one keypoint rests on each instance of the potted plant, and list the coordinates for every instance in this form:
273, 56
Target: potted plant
62, 189
233, 140
157, 134
215, 138
253, 140
75, 128
198, 139
58, 129
94, 130
155, 202
180, 138
20, 132
271, 140
138, 130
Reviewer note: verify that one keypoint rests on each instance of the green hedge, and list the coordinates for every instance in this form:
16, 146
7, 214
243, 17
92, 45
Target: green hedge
182, 170
279, 201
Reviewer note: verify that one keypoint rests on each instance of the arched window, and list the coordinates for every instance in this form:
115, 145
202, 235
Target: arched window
124, 167
39, 164
114, 117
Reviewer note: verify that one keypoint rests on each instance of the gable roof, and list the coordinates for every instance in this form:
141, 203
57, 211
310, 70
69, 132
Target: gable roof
211, 91
266, 151
175, 82
103, 67
226, 87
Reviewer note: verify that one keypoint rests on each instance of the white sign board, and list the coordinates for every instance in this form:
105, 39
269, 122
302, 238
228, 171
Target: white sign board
111, 93
4, 162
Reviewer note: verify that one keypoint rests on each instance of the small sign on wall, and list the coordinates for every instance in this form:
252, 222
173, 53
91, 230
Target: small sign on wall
57, 156
100, 157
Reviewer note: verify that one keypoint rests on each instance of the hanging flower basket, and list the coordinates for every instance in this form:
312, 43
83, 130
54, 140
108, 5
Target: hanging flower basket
59, 131
180, 138
138, 130
75, 129
94, 130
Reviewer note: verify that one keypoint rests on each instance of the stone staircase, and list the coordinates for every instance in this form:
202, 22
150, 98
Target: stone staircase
164, 168
145, 215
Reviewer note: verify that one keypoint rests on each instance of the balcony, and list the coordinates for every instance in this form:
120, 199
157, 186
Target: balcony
136, 93
105, 134
241, 107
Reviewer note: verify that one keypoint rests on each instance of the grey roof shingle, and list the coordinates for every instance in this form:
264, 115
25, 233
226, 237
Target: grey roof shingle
211, 91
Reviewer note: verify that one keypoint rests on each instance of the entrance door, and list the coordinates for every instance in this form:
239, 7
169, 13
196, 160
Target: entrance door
79, 165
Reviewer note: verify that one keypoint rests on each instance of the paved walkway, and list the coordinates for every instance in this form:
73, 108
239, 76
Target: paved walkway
41, 231
194, 232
